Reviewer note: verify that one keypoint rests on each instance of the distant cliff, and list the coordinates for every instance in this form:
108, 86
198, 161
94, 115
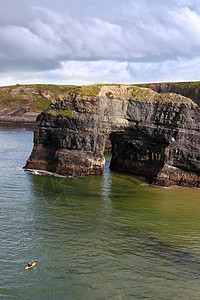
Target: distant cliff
187, 89
22, 103
153, 135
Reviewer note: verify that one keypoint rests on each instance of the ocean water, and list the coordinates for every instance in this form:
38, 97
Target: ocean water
96, 237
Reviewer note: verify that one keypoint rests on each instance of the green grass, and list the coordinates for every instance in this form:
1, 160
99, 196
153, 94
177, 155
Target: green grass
139, 93
109, 94
171, 97
187, 89
8, 100
64, 113
89, 90
36, 101
5, 96
41, 104
12, 103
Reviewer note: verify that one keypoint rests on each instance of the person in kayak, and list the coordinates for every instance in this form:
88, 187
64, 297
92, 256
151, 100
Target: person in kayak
29, 265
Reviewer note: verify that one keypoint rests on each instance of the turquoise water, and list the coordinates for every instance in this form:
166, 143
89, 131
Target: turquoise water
96, 237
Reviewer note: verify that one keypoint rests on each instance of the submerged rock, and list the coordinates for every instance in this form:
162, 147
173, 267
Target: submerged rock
153, 135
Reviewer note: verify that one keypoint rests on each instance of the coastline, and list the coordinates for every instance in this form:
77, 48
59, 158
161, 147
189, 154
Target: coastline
18, 122
15, 125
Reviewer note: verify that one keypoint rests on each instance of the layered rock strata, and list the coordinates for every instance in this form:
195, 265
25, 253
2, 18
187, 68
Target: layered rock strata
153, 135
187, 89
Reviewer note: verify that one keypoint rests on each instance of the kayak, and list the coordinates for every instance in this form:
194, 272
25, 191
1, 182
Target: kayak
32, 265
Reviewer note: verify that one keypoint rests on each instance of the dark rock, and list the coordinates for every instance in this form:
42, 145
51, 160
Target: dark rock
155, 136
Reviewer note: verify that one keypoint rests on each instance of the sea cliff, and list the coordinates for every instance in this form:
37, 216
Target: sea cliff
153, 135
187, 89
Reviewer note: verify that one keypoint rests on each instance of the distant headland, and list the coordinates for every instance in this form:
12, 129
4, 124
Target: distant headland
20, 104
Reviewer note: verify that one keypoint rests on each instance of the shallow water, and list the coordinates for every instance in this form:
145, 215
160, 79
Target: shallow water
96, 237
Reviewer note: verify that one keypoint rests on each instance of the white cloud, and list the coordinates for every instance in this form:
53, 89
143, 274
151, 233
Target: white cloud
90, 72
75, 72
102, 40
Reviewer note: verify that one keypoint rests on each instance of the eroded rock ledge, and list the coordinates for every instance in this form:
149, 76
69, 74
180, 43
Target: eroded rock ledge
153, 135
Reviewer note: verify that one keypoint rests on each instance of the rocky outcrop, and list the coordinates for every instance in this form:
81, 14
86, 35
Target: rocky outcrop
187, 89
153, 135
18, 117
20, 104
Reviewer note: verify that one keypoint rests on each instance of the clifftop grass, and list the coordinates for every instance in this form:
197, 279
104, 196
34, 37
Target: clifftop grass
85, 90
38, 97
63, 113
187, 89
140, 93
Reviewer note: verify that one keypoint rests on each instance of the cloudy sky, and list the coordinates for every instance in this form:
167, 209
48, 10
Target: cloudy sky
99, 41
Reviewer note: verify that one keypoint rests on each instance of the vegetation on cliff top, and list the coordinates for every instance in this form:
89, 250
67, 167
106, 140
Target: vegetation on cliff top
63, 113
187, 89
38, 97
146, 94
172, 97
140, 93
85, 90
11, 101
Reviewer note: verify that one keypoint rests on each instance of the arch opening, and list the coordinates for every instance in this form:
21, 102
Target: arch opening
138, 152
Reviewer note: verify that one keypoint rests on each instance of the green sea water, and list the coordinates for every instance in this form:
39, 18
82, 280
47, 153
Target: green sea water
96, 237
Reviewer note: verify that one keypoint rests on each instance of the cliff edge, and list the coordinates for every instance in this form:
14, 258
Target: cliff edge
21, 104
187, 89
153, 135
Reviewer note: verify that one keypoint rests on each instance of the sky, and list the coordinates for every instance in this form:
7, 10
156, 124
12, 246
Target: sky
99, 41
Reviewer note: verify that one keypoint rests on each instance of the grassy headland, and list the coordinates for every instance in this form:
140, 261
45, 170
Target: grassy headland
36, 98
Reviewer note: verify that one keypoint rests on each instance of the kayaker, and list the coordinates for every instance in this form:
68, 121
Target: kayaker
29, 266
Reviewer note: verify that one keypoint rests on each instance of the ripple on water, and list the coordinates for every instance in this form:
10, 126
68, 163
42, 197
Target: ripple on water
98, 237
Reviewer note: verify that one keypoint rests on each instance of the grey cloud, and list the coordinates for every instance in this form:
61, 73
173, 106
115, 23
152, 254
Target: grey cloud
38, 35
12, 65
148, 34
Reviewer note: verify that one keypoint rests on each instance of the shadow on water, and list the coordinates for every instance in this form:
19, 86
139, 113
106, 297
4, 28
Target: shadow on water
189, 261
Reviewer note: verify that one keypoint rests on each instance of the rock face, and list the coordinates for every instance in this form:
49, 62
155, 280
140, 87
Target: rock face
153, 135
187, 89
